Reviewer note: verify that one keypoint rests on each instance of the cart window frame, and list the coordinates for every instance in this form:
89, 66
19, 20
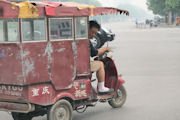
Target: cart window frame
32, 29
86, 29
7, 31
61, 39
1, 31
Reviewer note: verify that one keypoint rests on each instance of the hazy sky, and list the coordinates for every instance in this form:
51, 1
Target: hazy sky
114, 3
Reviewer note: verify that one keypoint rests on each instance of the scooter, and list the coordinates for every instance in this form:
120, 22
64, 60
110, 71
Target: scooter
104, 35
112, 80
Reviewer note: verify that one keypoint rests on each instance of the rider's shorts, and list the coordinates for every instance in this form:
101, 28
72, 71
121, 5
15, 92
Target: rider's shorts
95, 65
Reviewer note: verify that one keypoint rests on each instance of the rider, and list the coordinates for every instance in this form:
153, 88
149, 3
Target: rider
98, 66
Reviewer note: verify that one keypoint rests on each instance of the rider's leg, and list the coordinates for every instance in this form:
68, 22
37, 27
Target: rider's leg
98, 67
101, 73
101, 78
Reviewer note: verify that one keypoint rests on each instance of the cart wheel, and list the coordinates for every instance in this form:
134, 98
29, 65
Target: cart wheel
61, 110
21, 116
119, 98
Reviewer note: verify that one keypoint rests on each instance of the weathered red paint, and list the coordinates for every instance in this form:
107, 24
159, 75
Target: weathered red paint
14, 93
65, 9
8, 12
35, 62
76, 92
41, 94
11, 64
45, 94
83, 54
63, 64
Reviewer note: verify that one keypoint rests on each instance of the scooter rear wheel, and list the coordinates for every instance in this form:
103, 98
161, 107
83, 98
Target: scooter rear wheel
119, 98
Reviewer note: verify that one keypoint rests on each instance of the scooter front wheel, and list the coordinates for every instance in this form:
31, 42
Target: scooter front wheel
119, 98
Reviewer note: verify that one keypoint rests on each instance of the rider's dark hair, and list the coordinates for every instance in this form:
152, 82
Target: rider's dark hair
95, 24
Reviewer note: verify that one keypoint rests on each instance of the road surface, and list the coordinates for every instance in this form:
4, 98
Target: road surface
149, 60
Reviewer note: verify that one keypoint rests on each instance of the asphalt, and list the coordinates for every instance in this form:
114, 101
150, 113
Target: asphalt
149, 60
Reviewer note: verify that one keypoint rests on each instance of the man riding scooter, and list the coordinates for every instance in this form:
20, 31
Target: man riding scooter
98, 66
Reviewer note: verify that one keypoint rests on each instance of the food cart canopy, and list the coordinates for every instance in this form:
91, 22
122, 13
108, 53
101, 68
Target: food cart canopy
33, 9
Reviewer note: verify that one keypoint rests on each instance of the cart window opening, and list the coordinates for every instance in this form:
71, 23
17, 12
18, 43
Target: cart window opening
34, 29
9, 30
61, 28
1, 31
81, 27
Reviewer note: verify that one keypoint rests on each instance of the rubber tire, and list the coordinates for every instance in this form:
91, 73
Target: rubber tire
63, 105
117, 104
21, 116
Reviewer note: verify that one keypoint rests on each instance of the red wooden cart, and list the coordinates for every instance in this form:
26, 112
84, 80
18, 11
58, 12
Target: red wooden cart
44, 58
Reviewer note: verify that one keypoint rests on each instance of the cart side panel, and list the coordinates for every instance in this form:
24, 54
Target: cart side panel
36, 67
45, 94
10, 64
41, 94
83, 66
8, 11
71, 11
63, 66
14, 93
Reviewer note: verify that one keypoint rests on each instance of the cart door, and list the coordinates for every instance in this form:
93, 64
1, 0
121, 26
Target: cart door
10, 55
36, 66
63, 55
82, 43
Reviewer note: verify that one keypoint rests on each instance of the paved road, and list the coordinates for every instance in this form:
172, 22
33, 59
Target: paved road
149, 60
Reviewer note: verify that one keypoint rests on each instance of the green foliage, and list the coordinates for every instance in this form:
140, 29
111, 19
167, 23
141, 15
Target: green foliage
163, 6
172, 5
157, 6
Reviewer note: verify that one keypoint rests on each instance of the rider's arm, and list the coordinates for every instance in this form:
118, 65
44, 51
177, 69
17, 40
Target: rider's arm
102, 50
95, 52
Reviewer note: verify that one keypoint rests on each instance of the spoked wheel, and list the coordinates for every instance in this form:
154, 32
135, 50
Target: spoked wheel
61, 110
21, 116
119, 98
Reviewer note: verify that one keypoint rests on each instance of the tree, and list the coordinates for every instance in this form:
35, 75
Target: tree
157, 6
173, 5
162, 7
168, 8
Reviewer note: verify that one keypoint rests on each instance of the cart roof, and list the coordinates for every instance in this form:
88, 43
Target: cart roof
45, 8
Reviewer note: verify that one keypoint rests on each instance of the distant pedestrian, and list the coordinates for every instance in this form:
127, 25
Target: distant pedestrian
151, 23
147, 22
137, 25
177, 19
